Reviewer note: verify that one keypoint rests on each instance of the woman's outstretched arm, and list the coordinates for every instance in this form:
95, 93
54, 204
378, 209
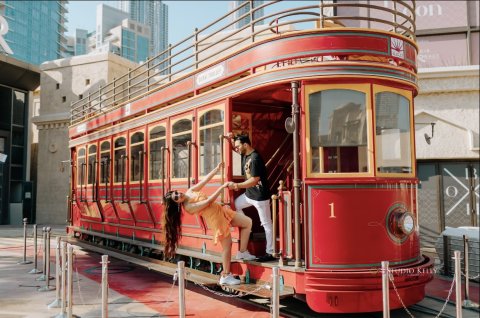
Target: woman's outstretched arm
198, 206
208, 177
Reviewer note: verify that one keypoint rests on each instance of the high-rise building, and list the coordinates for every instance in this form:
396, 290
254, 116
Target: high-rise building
245, 9
118, 34
106, 19
77, 44
80, 45
36, 29
154, 14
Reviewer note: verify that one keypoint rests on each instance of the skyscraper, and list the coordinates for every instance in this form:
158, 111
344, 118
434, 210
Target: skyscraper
36, 29
246, 8
153, 14
118, 34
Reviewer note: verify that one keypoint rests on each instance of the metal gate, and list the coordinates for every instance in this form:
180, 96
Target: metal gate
448, 195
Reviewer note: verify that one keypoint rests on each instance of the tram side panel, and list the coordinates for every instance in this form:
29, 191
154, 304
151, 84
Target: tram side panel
351, 230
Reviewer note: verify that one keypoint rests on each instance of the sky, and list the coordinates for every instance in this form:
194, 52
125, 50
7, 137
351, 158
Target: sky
184, 16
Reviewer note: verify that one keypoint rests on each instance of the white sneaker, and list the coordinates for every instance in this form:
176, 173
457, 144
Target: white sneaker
229, 280
245, 256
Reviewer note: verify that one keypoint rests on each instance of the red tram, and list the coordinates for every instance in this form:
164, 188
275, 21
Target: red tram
325, 92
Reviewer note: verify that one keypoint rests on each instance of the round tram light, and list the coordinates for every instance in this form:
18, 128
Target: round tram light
400, 223
406, 223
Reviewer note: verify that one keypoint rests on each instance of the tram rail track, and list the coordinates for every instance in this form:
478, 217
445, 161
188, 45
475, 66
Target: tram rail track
450, 306
290, 307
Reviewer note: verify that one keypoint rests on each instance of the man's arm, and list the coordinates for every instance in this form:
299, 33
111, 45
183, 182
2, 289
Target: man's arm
250, 182
230, 137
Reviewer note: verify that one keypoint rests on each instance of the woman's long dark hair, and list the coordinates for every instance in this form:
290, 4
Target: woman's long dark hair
172, 222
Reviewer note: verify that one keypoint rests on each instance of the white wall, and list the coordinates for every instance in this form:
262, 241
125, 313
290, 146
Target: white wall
449, 97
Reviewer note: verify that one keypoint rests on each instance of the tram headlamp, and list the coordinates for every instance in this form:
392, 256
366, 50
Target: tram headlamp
400, 223
406, 223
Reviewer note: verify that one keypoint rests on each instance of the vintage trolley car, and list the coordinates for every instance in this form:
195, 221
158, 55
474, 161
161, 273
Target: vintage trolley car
326, 93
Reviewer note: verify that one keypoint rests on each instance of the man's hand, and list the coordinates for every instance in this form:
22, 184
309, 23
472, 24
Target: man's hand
233, 186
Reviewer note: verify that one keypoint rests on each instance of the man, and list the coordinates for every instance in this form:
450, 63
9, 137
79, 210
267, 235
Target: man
257, 192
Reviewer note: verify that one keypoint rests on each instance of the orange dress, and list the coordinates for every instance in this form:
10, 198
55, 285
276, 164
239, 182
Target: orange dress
216, 216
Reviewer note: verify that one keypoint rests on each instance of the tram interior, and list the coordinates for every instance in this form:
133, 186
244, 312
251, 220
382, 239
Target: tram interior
261, 114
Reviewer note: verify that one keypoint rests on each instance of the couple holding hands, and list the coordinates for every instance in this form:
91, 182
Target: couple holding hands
220, 218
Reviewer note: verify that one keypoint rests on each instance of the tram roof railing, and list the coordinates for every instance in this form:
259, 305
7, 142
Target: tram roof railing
221, 37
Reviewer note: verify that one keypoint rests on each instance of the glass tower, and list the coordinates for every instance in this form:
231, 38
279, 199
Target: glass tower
153, 14
36, 29
245, 9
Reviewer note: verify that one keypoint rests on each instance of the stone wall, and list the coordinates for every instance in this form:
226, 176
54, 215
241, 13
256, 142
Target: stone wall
63, 82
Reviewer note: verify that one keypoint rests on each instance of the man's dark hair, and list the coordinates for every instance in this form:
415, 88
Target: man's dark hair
244, 139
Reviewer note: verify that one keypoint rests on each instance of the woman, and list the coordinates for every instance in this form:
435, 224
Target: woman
218, 218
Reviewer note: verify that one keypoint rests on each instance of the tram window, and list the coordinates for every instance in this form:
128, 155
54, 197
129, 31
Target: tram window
392, 133
119, 169
105, 162
181, 134
81, 166
157, 141
338, 131
92, 159
211, 126
136, 159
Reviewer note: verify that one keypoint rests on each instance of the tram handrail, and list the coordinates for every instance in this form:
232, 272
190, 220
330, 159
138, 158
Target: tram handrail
162, 152
222, 176
106, 165
189, 164
82, 176
95, 182
141, 156
123, 159
193, 54
276, 152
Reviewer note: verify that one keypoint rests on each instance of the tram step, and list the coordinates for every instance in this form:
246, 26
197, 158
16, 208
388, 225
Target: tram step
256, 290
151, 264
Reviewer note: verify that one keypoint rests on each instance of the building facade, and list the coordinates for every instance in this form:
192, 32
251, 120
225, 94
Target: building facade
36, 29
80, 44
447, 116
118, 34
153, 14
132, 39
244, 10
18, 80
63, 82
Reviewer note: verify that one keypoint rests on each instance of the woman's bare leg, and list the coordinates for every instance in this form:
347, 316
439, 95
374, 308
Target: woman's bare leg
226, 254
245, 225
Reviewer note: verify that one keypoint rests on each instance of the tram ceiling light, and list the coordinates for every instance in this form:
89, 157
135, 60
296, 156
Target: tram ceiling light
427, 137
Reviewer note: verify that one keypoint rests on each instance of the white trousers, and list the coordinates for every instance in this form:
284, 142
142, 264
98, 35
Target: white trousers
263, 209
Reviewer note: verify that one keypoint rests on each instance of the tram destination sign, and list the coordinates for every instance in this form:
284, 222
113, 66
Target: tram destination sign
210, 75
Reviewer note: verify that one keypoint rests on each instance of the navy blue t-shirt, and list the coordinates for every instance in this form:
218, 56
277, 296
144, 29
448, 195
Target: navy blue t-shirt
253, 166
